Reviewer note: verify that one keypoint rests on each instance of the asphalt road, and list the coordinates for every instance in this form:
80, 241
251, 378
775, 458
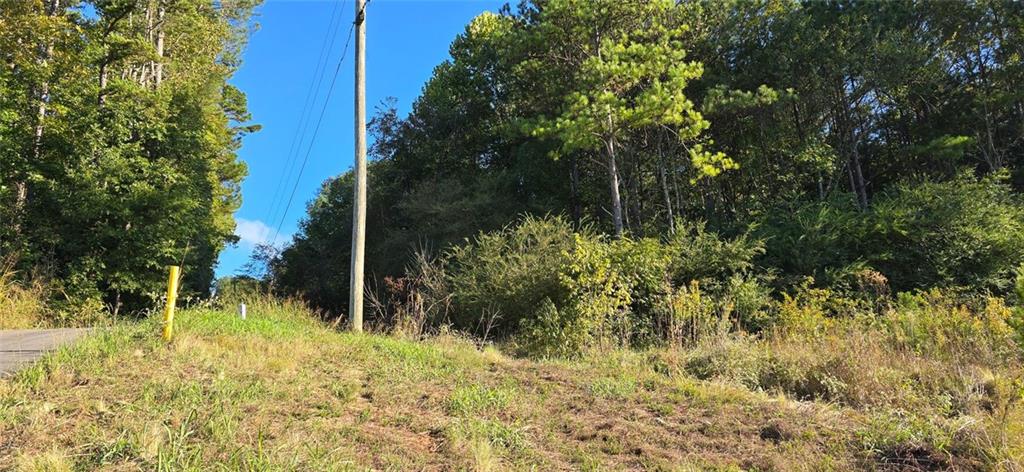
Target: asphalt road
20, 347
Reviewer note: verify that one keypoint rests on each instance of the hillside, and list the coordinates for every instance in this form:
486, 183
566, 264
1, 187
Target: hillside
280, 391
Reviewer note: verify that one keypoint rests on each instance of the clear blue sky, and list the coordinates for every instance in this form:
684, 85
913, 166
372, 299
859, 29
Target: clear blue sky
406, 39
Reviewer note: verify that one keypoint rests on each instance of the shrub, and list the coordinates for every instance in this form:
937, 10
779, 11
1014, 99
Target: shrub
595, 307
967, 232
230, 291
643, 267
750, 300
692, 317
506, 275
819, 240
29, 302
810, 311
554, 333
725, 271
928, 355
416, 303
21, 305
697, 254
562, 291
934, 324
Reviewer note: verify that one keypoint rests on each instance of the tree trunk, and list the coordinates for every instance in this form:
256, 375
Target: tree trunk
627, 223
707, 199
20, 199
44, 88
860, 186
848, 140
574, 189
989, 151
159, 66
148, 68
613, 181
44, 93
674, 174
101, 97
21, 186
664, 189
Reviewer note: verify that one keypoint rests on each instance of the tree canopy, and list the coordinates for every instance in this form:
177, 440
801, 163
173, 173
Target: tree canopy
118, 134
828, 127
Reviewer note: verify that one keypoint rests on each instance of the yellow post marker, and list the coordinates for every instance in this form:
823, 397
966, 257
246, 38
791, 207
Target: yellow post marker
172, 298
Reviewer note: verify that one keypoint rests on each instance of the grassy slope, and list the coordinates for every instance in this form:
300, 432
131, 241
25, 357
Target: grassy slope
282, 392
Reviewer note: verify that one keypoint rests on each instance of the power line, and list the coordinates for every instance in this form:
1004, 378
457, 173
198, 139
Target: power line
316, 129
311, 98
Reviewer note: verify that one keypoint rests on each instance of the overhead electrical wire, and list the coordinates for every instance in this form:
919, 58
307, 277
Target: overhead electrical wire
311, 98
319, 121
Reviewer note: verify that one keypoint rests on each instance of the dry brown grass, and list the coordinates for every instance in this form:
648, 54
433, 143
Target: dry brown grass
22, 305
27, 301
925, 408
280, 391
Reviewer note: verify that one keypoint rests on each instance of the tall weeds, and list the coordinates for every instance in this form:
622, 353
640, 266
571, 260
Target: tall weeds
22, 304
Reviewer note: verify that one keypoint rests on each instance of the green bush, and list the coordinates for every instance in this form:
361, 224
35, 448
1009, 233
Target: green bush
967, 232
819, 240
594, 310
693, 317
935, 324
230, 291
644, 269
1017, 320
927, 354
698, 254
22, 305
561, 291
502, 278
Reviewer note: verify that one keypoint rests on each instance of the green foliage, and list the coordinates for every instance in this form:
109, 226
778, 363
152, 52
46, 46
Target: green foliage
561, 292
692, 317
118, 158
230, 291
871, 161
750, 299
594, 310
698, 254
928, 355
1017, 320
506, 275
21, 305
963, 233
634, 77
967, 232
935, 324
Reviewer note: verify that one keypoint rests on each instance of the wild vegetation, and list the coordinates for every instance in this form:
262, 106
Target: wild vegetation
845, 136
283, 391
816, 200
765, 235
118, 133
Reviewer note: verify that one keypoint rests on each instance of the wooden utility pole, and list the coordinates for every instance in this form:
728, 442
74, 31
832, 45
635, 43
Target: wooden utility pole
355, 303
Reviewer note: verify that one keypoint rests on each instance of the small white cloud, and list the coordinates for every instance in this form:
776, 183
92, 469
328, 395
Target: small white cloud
252, 232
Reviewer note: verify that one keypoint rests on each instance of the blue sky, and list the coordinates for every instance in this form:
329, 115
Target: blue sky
406, 39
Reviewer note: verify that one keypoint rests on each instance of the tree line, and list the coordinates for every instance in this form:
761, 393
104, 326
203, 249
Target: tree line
118, 140
844, 135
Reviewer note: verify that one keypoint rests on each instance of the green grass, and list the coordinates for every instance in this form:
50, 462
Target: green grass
281, 391
25, 303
